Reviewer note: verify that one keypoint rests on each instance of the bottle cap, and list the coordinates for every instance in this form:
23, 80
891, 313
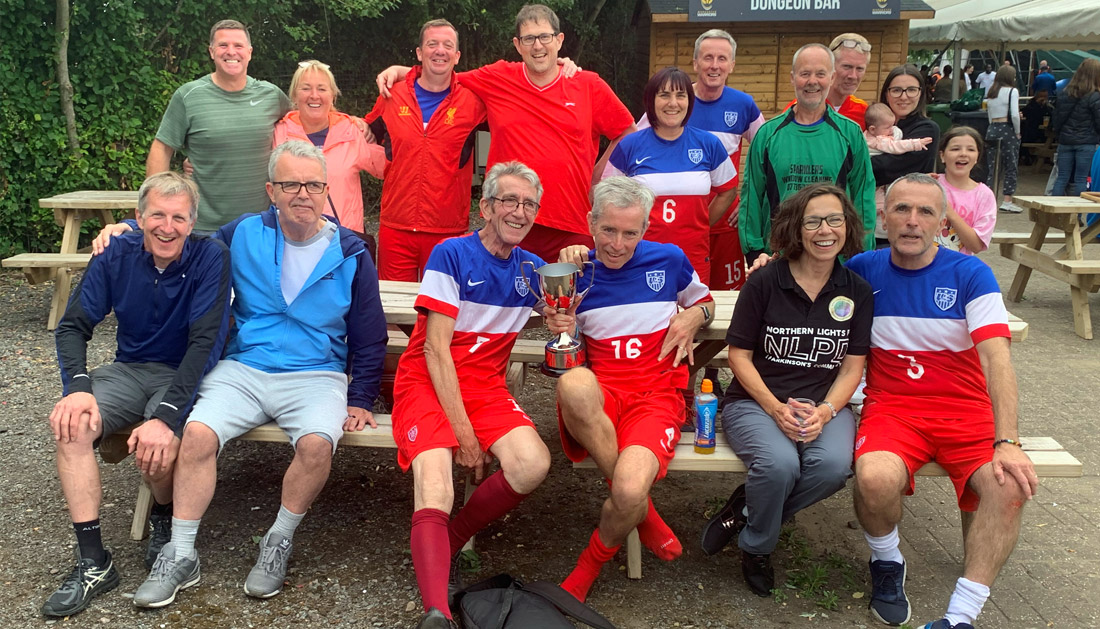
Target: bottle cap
706, 387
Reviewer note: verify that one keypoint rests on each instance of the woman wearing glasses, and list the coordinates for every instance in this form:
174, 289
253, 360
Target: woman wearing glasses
315, 119
798, 339
687, 168
904, 93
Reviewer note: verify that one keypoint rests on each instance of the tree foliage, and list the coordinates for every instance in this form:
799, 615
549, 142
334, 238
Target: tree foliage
126, 57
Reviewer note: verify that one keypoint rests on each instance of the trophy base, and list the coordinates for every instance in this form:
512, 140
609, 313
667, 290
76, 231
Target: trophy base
552, 372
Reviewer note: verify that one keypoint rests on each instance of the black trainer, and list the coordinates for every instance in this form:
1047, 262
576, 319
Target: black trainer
758, 573
726, 524
888, 601
160, 535
85, 582
454, 580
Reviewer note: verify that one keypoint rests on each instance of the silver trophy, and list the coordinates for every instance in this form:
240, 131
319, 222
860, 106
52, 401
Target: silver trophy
558, 286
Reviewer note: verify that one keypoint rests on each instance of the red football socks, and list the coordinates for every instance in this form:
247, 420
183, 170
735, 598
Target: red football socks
431, 559
658, 537
492, 499
592, 558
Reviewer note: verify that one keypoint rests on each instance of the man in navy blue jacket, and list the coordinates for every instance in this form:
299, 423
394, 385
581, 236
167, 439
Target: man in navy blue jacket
307, 317
170, 293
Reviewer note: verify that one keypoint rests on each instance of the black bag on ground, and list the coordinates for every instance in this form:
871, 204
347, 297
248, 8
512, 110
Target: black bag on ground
506, 603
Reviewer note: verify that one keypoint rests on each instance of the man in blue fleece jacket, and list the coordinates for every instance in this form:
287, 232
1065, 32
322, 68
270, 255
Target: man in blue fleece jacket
170, 293
307, 318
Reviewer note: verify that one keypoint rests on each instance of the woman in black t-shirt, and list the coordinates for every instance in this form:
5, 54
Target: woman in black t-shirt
801, 329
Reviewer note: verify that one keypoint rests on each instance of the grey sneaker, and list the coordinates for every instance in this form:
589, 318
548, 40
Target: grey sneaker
1011, 208
266, 577
167, 578
160, 535
85, 582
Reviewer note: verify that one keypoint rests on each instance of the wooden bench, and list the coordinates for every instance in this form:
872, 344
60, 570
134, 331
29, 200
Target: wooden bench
1018, 238
42, 267
1050, 459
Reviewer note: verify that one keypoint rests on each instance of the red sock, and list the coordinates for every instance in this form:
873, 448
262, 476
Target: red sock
592, 558
493, 498
431, 561
658, 537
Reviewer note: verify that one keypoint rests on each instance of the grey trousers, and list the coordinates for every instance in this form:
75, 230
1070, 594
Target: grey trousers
784, 477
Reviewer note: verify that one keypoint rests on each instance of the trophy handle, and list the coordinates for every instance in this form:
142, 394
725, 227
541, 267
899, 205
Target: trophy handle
590, 283
522, 265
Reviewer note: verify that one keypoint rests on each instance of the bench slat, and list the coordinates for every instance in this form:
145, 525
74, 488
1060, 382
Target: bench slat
47, 260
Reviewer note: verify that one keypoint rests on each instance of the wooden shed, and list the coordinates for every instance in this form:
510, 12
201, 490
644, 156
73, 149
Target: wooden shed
765, 48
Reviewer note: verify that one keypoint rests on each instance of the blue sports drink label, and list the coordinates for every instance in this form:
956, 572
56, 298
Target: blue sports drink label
704, 423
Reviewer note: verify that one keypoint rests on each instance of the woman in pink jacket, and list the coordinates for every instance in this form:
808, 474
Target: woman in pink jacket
314, 119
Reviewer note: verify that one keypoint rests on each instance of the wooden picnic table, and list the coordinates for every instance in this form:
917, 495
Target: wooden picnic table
70, 210
1068, 263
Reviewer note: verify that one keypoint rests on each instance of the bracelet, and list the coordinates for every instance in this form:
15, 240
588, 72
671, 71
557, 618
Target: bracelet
1012, 441
832, 408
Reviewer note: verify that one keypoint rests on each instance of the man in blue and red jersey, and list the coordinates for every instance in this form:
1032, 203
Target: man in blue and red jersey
730, 115
427, 126
940, 387
626, 411
548, 122
451, 403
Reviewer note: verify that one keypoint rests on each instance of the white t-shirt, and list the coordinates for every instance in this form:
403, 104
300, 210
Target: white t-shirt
300, 258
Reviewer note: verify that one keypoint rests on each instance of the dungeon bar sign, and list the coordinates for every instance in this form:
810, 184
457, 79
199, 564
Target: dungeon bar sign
791, 10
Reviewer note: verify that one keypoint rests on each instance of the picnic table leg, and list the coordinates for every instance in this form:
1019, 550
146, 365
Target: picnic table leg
142, 508
469, 491
1082, 319
1035, 241
514, 377
633, 555
62, 285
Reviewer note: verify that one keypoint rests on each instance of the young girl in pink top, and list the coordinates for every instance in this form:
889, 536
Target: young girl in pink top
971, 206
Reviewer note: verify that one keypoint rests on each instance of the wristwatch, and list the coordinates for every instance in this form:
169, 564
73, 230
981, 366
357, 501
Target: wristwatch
832, 408
706, 313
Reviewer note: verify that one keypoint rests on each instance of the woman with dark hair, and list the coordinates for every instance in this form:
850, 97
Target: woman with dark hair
798, 339
904, 93
1002, 105
687, 168
1077, 122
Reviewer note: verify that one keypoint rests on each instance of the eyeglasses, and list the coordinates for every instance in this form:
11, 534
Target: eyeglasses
911, 91
294, 187
853, 43
510, 204
309, 64
814, 222
544, 39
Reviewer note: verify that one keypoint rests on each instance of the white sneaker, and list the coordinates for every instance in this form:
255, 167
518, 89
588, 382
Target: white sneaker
1011, 208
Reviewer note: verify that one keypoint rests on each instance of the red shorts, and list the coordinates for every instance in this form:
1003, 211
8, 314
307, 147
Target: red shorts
419, 423
650, 419
960, 446
547, 242
403, 254
727, 263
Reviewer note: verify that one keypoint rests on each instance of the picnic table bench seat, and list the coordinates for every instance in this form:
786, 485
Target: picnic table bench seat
1050, 459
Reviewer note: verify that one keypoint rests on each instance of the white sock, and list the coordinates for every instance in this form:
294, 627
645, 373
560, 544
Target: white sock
184, 533
885, 548
286, 522
966, 602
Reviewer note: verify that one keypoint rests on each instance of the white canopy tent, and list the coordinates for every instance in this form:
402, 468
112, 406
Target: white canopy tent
982, 24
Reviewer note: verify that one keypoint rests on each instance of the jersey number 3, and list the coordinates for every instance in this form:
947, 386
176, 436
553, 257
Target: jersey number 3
916, 370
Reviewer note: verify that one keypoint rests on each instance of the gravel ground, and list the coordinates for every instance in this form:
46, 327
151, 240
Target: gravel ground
352, 567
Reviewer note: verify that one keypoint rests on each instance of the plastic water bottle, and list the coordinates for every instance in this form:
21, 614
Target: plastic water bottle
706, 410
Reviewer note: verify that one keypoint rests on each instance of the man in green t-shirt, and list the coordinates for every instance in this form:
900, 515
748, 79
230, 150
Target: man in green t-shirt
224, 122
806, 144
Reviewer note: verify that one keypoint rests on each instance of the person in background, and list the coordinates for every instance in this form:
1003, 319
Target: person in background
985, 79
315, 119
971, 206
1003, 108
1044, 80
941, 93
1077, 122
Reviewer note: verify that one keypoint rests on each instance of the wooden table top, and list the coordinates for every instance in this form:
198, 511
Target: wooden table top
1057, 205
92, 200
398, 299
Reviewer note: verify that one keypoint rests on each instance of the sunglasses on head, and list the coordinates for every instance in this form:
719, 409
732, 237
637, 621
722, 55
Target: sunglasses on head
852, 43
